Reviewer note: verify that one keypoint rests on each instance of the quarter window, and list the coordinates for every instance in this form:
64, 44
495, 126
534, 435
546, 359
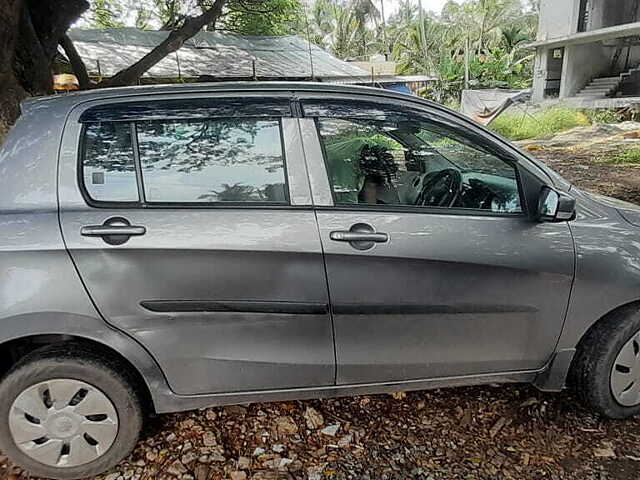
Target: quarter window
395, 160
108, 162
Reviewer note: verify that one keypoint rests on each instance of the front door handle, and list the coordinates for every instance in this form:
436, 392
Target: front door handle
360, 236
114, 231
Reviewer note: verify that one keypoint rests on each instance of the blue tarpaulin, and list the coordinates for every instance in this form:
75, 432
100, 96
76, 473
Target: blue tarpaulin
398, 87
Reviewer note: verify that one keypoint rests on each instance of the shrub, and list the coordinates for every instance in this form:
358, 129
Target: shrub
604, 115
521, 126
630, 155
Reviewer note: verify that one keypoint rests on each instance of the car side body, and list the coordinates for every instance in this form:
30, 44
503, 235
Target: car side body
56, 285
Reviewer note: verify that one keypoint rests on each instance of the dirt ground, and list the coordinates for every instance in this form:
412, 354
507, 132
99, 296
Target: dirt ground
492, 432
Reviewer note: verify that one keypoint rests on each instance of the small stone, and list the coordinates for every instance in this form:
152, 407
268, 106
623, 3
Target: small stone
217, 457
187, 476
244, 463
313, 418
315, 472
265, 475
171, 437
112, 476
502, 421
605, 452
235, 410
286, 426
201, 472
140, 463
188, 458
187, 424
151, 456
211, 414
331, 430
278, 448
258, 451
209, 439
204, 459
282, 465
176, 469
345, 441
238, 475
186, 447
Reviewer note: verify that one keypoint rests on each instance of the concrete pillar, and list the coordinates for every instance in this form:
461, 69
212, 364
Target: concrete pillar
539, 74
581, 64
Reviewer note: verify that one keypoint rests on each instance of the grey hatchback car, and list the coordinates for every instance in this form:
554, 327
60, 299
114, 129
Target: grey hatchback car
167, 248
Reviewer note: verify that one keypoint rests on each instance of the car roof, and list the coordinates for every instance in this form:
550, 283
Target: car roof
74, 98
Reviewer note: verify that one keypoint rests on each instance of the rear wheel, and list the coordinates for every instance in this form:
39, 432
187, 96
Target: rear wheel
68, 413
606, 371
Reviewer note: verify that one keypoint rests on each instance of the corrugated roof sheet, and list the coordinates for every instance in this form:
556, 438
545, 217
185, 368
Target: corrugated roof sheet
209, 54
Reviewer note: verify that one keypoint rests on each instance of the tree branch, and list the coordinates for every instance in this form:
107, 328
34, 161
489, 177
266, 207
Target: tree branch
173, 42
78, 66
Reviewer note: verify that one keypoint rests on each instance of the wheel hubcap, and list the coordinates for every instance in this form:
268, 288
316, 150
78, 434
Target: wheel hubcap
625, 374
63, 422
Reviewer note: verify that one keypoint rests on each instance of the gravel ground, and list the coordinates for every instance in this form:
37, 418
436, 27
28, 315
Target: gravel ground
493, 432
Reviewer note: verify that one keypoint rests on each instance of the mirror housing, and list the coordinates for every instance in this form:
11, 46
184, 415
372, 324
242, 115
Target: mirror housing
555, 206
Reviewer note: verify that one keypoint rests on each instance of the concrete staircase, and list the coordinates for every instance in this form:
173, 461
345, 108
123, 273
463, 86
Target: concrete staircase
605, 86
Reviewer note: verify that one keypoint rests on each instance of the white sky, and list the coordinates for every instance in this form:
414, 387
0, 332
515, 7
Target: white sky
391, 6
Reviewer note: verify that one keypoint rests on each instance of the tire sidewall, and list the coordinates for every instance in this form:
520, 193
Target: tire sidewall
108, 381
606, 357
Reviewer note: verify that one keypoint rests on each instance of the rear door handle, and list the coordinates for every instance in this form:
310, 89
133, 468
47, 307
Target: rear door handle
360, 236
104, 230
114, 231
342, 236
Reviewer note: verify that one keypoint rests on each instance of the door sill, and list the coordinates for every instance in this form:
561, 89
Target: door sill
166, 402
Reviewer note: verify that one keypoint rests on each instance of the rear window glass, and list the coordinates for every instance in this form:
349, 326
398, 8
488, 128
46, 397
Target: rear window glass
108, 162
212, 160
222, 160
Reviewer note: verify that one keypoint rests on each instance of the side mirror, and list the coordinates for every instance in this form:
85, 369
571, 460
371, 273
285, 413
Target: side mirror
555, 206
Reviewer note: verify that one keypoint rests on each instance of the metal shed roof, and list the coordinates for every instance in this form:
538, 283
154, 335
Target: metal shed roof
209, 54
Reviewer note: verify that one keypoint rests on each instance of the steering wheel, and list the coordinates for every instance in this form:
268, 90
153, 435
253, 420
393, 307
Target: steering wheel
441, 190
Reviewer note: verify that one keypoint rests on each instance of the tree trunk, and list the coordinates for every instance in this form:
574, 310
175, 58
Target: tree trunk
78, 66
173, 42
11, 93
30, 31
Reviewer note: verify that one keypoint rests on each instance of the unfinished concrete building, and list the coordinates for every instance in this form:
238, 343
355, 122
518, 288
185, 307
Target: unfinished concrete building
588, 50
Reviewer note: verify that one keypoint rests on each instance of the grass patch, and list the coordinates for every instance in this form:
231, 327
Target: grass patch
628, 156
518, 126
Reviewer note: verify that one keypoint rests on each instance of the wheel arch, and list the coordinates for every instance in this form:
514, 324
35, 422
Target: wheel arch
25, 333
557, 373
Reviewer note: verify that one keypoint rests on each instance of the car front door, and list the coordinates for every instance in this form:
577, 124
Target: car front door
190, 222
435, 268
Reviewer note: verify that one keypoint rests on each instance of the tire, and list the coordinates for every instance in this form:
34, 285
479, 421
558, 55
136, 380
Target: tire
49, 375
598, 370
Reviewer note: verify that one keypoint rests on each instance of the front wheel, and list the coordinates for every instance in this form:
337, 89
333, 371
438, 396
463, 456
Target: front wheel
67, 413
606, 371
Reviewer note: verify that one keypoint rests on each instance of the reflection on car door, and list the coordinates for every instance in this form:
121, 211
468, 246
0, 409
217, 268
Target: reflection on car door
190, 237
421, 292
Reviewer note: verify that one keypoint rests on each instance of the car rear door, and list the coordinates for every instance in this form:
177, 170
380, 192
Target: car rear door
422, 291
189, 219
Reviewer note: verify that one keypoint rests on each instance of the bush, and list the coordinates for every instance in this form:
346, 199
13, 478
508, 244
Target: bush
630, 155
521, 126
604, 115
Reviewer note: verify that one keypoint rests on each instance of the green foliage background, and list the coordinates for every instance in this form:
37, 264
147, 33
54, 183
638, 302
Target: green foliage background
490, 34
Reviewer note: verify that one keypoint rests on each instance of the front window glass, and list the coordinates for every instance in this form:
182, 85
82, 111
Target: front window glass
212, 160
414, 163
108, 163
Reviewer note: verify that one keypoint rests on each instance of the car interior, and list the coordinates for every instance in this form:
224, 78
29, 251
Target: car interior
404, 163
